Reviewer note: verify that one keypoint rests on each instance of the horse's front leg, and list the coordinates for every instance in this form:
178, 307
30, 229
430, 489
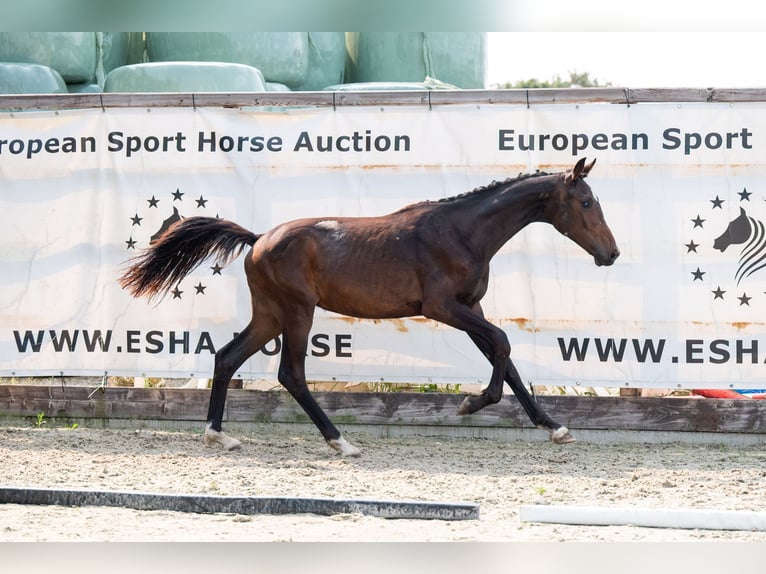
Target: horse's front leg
559, 433
492, 341
494, 391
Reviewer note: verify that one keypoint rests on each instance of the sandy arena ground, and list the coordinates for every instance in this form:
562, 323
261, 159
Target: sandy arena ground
279, 461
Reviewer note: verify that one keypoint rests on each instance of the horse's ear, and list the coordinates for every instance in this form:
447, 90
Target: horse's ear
587, 168
742, 211
577, 171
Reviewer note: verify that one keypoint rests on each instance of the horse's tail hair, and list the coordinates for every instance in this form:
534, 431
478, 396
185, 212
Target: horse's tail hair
180, 250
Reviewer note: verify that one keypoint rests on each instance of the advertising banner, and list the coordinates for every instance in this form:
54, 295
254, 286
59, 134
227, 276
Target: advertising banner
681, 185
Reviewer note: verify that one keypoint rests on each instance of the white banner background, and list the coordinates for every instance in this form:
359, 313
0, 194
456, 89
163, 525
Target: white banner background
669, 312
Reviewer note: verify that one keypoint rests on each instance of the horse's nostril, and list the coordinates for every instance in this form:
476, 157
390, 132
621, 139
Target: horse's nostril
614, 254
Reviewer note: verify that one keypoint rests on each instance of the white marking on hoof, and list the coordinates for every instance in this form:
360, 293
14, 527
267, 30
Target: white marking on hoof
219, 437
344, 447
561, 436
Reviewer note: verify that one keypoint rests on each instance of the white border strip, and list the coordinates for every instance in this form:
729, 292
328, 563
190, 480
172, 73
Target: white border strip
647, 517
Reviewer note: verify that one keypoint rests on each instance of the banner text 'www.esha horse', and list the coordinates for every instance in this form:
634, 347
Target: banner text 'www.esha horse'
430, 258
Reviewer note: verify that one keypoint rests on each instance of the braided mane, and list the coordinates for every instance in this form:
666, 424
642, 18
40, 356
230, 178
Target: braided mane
477, 192
490, 187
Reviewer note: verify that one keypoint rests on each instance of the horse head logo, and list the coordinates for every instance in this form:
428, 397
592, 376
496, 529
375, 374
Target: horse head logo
165, 225
745, 229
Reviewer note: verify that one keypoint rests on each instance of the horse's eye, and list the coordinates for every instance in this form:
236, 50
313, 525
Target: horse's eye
585, 204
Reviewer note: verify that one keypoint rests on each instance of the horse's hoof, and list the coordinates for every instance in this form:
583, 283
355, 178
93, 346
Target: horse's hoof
562, 436
219, 437
465, 407
344, 447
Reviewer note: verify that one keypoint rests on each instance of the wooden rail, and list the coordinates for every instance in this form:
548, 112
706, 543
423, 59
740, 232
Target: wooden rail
396, 408
432, 98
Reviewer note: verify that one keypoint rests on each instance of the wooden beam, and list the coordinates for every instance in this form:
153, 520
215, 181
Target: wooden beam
527, 97
429, 409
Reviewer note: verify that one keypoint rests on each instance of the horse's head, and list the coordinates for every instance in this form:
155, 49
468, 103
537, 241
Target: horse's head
738, 231
576, 213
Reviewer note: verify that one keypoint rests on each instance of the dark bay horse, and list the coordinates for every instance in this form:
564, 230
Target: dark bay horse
430, 258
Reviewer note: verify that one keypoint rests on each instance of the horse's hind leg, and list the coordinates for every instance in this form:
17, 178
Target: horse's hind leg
292, 375
227, 360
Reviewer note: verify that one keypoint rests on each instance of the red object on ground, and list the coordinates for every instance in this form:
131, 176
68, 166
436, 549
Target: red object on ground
724, 394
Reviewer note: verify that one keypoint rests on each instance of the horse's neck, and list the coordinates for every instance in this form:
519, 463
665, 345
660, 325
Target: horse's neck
500, 214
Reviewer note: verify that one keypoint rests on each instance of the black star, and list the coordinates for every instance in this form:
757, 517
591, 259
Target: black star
744, 300
177, 195
153, 201
136, 220
201, 201
717, 202
216, 269
176, 293
718, 293
131, 243
200, 288
691, 246
698, 221
698, 274
744, 195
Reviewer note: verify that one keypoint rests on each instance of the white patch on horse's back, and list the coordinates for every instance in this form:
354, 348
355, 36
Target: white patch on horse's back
327, 224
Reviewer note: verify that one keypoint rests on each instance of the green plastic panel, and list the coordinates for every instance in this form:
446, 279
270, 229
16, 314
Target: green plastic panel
457, 58
30, 79
283, 57
429, 84
327, 60
72, 54
114, 49
185, 77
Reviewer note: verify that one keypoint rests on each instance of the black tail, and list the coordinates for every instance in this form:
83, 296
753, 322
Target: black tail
182, 248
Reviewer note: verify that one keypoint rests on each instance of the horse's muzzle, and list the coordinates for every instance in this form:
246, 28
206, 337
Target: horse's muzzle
721, 244
606, 259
